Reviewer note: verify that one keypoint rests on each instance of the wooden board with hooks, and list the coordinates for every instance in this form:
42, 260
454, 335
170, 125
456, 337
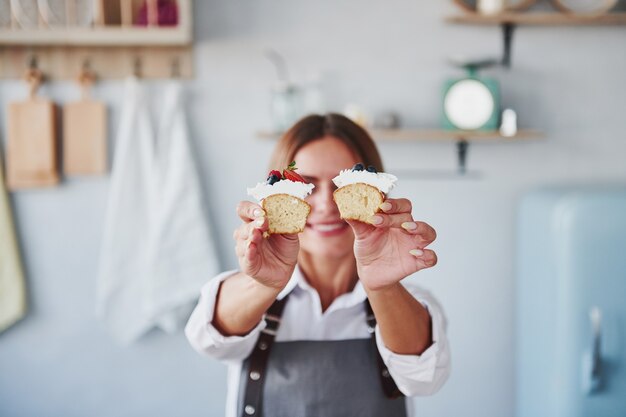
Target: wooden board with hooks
106, 62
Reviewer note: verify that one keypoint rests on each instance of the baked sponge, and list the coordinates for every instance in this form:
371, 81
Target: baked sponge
285, 213
358, 201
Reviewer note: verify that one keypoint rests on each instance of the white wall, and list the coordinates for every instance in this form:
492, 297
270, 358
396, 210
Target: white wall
568, 82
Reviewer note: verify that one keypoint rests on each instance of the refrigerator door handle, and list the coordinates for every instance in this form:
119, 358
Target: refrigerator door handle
591, 361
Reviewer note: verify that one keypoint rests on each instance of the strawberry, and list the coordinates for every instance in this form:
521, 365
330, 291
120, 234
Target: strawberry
291, 174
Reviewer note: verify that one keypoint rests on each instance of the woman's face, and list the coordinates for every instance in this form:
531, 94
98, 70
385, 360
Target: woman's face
325, 233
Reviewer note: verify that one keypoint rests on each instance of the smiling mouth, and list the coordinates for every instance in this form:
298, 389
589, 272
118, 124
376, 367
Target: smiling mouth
328, 228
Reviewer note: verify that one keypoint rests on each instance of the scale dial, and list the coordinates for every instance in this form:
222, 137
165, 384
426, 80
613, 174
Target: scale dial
468, 104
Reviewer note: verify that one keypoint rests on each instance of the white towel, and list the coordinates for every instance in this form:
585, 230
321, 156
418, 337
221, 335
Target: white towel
183, 256
156, 251
12, 287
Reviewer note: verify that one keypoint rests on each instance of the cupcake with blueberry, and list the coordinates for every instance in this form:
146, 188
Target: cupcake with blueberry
361, 191
282, 197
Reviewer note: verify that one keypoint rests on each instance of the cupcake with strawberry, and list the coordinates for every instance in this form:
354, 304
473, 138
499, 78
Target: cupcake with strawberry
282, 197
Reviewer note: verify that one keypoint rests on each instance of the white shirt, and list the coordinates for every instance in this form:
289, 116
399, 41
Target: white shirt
303, 320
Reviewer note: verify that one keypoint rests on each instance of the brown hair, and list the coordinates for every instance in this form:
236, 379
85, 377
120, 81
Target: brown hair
315, 127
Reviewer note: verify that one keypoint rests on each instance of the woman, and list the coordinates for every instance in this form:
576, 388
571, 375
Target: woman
323, 360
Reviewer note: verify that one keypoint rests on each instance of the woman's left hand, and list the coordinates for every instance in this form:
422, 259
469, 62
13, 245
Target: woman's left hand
392, 248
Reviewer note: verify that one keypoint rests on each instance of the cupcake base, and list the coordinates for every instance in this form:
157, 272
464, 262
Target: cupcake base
286, 214
358, 201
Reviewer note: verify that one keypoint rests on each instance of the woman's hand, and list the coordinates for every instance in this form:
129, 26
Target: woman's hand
394, 247
269, 261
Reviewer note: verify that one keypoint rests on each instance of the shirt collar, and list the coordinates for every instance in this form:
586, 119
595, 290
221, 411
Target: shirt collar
299, 283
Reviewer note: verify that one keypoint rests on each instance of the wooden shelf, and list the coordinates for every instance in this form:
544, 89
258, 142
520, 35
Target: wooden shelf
114, 35
436, 135
111, 48
102, 36
462, 139
541, 19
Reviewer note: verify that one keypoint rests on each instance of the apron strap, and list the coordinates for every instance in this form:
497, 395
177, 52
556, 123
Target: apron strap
389, 385
261, 353
259, 358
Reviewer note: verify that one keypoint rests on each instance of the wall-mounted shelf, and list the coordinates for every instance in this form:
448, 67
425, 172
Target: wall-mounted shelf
120, 41
461, 138
509, 21
99, 36
540, 19
436, 135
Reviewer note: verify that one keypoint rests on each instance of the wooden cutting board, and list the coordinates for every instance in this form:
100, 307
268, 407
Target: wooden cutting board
32, 144
84, 138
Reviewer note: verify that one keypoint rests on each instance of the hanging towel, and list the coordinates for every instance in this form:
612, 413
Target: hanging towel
156, 251
12, 286
123, 256
182, 256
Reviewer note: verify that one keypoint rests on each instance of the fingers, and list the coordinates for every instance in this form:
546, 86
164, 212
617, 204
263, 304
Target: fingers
396, 205
248, 211
396, 212
405, 221
248, 234
423, 230
247, 248
391, 220
424, 258
359, 227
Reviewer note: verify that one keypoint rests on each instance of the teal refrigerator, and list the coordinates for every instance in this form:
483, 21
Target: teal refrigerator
571, 302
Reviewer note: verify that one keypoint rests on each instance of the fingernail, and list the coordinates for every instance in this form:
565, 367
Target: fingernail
249, 243
258, 213
377, 220
385, 206
259, 222
409, 226
416, 252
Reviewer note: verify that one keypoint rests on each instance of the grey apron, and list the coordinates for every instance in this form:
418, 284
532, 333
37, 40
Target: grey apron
319, 379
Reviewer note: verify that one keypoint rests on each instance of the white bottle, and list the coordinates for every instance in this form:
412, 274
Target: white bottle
491, 7
508, 128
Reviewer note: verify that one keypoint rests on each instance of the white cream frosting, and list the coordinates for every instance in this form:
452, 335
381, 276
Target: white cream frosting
381, 180
294, 188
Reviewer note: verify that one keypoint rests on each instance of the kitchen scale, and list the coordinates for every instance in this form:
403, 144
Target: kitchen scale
470, 103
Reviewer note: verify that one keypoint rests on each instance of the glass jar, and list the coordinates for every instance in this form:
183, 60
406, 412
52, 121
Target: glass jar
285, 106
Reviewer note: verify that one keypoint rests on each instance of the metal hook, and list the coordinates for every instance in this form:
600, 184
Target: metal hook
32, 63
137, 67
86, 77
176, 67
86, 64
461, 149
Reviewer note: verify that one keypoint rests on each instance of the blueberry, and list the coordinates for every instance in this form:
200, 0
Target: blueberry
272, 179
371, 168
358, 167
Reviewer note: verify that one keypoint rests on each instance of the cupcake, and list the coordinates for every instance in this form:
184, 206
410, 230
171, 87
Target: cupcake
282, 197
360, 192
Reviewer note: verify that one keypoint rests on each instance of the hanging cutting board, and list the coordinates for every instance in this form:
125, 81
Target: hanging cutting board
32, 144
84, 133
84, 138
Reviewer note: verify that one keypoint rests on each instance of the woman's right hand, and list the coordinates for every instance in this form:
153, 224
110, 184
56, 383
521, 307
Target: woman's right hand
270, 261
